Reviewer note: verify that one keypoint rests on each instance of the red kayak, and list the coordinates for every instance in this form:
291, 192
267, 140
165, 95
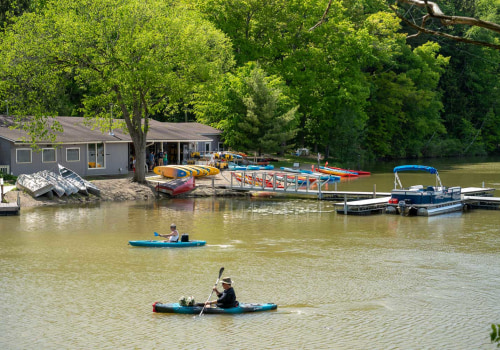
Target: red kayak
358, 172
176, 187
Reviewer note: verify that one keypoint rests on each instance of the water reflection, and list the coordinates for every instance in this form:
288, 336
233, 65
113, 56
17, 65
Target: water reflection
71, 280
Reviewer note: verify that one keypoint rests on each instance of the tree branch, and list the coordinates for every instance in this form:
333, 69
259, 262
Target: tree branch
322, 20
433, 32
434, 11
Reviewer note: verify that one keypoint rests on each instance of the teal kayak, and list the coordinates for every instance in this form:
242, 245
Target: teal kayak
240, 309
166, 244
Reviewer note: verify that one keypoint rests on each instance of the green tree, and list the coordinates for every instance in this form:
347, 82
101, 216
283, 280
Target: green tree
253, 110
140, 56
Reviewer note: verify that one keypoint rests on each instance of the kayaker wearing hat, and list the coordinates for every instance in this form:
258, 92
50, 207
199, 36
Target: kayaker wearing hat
227, 298
173, 235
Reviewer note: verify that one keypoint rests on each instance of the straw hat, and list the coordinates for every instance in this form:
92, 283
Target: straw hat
227, 280
173, 225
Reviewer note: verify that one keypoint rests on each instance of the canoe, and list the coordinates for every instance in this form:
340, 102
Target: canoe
85, 187
177, 186
35, 185
240, 309
170, 171
166, 244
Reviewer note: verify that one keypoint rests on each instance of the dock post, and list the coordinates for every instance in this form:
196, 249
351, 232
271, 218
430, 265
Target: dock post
213, 185
345, 204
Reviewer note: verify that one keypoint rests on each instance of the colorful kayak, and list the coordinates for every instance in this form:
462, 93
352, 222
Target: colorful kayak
166, 244
195, 171
252, 167
174, 170
170, 171
177, 186
341, 173
240, 309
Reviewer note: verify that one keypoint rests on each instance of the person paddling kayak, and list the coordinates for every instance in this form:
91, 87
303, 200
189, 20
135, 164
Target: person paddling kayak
173, 236
227, 298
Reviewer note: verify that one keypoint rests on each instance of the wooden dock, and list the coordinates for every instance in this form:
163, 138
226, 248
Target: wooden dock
9, 208
478, 198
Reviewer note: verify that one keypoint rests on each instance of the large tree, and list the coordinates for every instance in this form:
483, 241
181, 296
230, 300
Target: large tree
140, 56
254, 111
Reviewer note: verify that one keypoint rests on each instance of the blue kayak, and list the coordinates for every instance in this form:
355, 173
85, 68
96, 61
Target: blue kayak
166, 244
240, 309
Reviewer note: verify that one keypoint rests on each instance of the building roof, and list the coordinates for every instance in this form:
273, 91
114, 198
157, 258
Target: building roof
76, 130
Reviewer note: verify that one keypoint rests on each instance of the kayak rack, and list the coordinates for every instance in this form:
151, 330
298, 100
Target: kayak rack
296, 184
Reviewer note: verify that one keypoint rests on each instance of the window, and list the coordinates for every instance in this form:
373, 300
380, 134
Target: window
96, 155
73, 154
48, 155
220, 146
207, 147
23, 155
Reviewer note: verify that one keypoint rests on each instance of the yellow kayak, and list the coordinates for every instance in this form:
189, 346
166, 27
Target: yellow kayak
169, 171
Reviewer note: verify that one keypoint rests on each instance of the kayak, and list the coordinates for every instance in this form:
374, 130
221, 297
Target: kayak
242, 308
170, 171
166, 244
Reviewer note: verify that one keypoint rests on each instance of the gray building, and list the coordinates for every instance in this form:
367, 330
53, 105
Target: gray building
92, 152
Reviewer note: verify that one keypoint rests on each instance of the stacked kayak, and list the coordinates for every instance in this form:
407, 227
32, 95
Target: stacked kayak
240, 309
166, 244
251, 167
177, 171
338, 172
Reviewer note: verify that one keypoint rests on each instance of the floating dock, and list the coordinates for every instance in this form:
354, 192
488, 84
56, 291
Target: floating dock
472, 198
353, 202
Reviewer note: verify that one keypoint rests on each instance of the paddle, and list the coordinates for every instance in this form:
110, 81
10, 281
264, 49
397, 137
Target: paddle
220, 274
157, 234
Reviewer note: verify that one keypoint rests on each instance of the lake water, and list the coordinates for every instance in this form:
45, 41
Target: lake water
70, 280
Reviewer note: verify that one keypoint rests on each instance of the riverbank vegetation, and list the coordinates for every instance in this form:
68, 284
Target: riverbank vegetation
359, 86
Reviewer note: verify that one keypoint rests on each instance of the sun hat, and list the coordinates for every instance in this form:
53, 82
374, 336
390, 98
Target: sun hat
227, 280
173, 225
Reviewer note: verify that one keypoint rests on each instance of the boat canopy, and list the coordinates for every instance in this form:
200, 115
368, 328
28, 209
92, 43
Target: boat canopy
429, 169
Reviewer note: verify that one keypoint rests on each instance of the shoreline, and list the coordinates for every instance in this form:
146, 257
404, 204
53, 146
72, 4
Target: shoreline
123, 189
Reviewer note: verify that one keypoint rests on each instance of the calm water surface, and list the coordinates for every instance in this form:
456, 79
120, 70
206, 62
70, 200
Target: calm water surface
69, 279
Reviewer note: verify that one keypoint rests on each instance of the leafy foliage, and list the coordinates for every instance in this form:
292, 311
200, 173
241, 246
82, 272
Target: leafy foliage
139, 56
495, 334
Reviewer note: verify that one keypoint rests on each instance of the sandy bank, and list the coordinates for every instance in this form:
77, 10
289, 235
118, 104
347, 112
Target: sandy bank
123, 189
